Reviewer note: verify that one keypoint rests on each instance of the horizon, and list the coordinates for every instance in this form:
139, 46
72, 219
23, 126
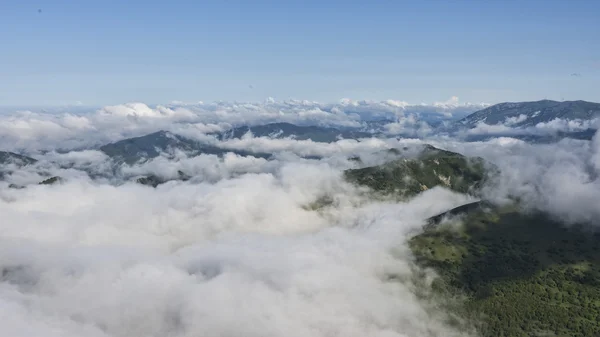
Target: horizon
59, 53
453, 101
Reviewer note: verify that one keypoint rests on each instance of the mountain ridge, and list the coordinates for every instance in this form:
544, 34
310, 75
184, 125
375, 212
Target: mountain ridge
300, 132
524, 114
135, 149
407, 177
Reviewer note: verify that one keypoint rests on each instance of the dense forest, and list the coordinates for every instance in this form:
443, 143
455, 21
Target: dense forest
520, 274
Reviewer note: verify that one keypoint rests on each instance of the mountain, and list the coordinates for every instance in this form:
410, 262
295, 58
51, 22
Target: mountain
9, 161
515, 273
526, 114
407, 177
283, 130
13, 158
137, 149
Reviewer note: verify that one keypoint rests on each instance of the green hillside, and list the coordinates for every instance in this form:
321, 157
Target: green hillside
522, 274
502, 271
433, 167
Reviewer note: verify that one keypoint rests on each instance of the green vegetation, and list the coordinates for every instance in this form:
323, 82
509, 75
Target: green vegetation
521, 274
409, 177
501, 271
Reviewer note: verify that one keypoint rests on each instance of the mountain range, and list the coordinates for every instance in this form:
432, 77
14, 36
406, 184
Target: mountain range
512, 116
516, 118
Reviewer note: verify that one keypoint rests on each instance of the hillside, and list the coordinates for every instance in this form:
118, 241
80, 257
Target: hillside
407, 177
524, 114
502, 271
522, 274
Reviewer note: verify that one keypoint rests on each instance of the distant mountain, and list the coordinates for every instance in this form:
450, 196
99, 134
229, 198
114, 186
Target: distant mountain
299, 132
16, 159
525, 114
137, 149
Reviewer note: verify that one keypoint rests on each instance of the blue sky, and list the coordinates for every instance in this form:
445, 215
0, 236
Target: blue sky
110, 52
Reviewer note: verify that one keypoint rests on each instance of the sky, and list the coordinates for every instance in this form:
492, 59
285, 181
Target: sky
112, 52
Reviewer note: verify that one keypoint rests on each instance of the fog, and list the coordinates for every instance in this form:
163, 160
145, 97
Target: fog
559, 178
240, 256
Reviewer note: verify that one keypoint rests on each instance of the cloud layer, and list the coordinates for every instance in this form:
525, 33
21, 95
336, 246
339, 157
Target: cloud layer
76, 128
239, 249
240, 256
559, 178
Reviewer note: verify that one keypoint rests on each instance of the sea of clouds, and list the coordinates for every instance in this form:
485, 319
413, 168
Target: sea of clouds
237, 250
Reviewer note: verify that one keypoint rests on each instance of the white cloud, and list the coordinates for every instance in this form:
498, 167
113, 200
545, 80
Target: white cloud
235, 250
559, 178
508, 128
75, 129
241, 256
565, 125
515, 120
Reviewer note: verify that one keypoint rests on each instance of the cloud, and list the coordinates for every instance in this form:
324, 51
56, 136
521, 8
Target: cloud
408, 126
515, 120
237, 250
510, 128
89, 259
453, 101
560, 179
75, 128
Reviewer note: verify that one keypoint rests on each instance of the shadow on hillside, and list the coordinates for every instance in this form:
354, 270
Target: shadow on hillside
507, 245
